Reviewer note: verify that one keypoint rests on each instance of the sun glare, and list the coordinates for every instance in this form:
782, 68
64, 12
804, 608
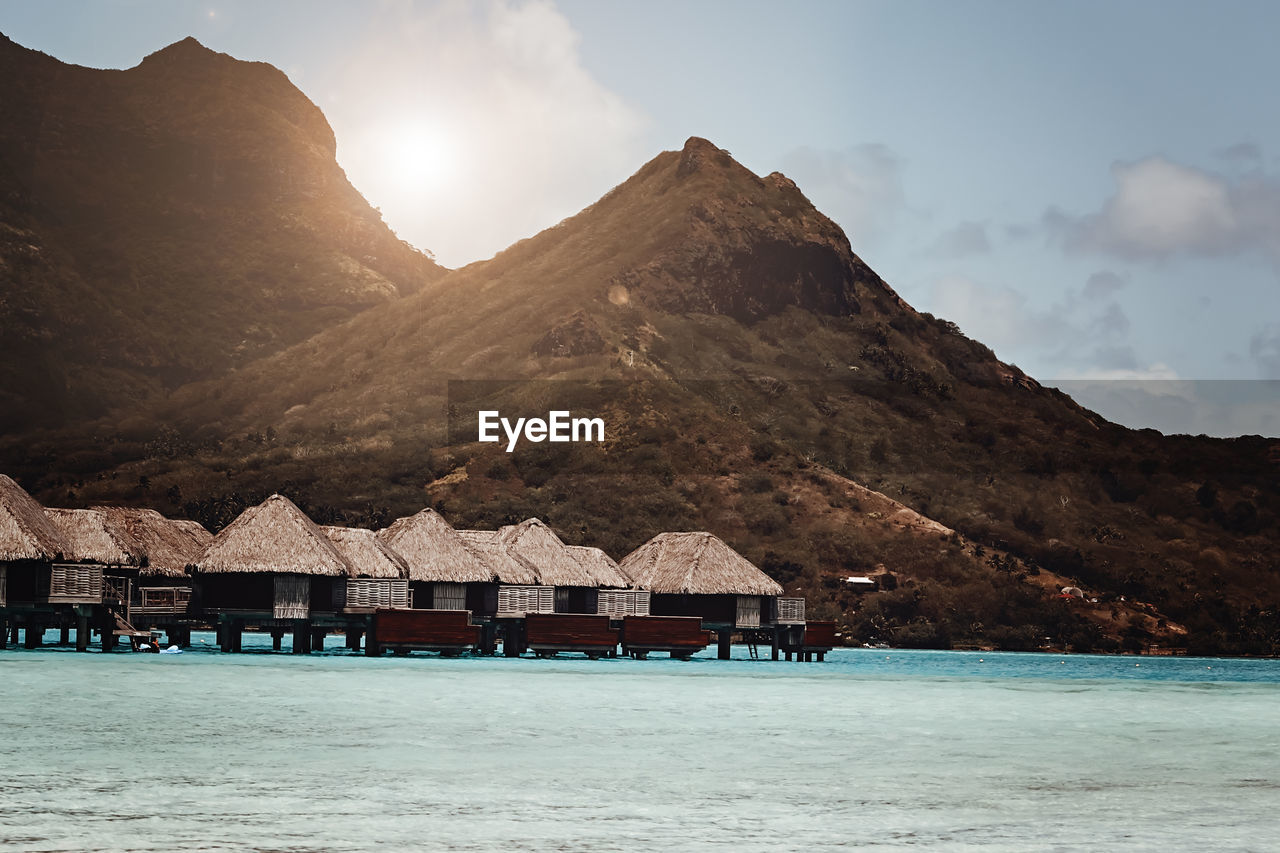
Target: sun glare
416, 156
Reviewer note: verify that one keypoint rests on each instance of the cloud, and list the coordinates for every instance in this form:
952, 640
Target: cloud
1264, 349
1102, 284
1112, 323
1242, 155
1072, 337
1191, 407
860, 187
967, 238
1161, 208
514, 133
1115, 360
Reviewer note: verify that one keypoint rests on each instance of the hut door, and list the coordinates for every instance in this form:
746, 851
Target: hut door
293, 597
449, 596
748, 611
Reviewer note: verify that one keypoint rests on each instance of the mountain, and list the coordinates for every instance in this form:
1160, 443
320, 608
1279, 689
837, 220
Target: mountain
757, 380
167, 223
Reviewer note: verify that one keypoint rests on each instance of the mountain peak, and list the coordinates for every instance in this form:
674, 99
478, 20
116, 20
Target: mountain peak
698, 153
186, 50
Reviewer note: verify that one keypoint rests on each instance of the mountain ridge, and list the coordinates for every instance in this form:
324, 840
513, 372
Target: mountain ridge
759, 380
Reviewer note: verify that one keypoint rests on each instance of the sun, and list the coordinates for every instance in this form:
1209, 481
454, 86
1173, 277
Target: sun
416, 156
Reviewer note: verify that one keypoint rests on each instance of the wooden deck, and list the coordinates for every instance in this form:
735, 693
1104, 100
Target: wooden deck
549, 633
819, 637
681, 636
446, 631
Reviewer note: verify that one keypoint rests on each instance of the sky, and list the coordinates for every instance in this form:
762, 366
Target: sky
1092, 189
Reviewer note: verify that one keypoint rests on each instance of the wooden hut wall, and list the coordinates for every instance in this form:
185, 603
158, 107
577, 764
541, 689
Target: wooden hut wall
576, 599
748, 612
437, 595
291, 597
371, 594
70, 583
620, 603
718, 609
164, 598
252, 591
482, 598
786, 611
21, 580
519, 600
448, 596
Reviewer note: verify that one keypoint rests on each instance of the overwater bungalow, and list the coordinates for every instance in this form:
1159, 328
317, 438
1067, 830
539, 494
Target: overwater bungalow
610, 600
516, 590
272, 568
160, 590
443, 573
578, 576
30, 545
697, 574
101, 555
379, 575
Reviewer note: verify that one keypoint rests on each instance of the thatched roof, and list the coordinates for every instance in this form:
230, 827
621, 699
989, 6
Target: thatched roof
26, 533
194, 529
274, 536
368, 556
505, 567
433, 550
539, 546
94, 539
167, 546
696, 564
603, 569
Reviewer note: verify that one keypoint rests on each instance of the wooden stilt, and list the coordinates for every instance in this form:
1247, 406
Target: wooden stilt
82, 631
301, 636
277, 639
511, 639
33, 637
353, 639
777, 642
13, 633
4, 634
237, 636
64, 634
317, 639
822, 656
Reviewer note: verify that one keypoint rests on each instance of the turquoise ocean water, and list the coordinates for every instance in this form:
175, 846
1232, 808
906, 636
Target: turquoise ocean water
876, 750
